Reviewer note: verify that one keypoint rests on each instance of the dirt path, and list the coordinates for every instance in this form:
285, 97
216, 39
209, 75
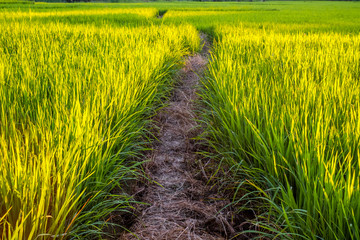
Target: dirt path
181, 206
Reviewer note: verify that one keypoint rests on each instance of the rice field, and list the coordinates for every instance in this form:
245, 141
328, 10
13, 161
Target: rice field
79, 84
146, 12
75, 103
285, 108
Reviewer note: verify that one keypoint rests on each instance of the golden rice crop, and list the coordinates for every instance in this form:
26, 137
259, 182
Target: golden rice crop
285, 108
146, 12
73, 107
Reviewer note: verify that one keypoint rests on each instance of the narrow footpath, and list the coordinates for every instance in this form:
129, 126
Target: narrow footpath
181, 205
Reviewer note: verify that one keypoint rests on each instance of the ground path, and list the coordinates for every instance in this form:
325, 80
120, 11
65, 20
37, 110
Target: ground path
181, 206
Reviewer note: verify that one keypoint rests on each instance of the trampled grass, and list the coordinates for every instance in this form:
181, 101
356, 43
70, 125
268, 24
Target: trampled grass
285, 108
74, 107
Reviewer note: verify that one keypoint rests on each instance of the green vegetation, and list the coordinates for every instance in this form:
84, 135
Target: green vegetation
74, 108
17, 2
79, 83
285, 110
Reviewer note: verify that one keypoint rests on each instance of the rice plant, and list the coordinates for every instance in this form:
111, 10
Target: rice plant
285, 109
74, 107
